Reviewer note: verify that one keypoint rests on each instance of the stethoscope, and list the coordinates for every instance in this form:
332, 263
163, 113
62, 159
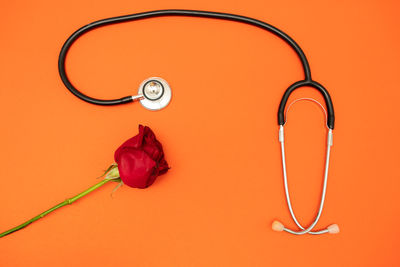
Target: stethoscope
155, 93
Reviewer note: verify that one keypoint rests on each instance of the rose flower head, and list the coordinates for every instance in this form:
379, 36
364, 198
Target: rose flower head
140, 159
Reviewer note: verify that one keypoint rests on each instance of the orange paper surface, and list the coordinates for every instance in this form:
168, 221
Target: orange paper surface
225, 187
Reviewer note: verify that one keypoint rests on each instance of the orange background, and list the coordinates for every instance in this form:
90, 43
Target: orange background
215, 206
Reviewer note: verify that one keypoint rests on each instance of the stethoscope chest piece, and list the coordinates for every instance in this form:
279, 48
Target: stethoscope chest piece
156, 93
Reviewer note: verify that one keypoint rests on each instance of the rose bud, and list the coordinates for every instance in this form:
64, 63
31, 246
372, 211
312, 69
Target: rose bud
141, 159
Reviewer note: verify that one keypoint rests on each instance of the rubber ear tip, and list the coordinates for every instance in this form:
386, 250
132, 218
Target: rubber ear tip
277, 226
333, 229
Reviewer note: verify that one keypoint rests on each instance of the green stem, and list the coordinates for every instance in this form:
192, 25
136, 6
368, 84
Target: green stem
62, 204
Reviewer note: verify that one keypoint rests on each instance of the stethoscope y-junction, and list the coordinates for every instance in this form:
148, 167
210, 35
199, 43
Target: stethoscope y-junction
155, 93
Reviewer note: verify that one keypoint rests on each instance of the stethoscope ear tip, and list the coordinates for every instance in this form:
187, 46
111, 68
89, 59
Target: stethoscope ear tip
333, 229
277, 226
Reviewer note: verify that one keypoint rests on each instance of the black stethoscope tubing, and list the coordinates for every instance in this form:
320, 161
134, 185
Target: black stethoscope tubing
196, 13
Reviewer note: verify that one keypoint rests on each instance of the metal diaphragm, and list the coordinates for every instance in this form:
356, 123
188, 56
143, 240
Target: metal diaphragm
156, 93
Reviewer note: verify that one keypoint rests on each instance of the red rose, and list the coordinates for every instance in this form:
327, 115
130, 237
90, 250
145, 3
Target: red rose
141, 159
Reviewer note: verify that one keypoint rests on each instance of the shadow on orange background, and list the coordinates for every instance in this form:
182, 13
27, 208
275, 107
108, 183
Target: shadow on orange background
216, 204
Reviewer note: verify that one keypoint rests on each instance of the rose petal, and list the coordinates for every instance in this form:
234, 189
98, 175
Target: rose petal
136, 168
134, 142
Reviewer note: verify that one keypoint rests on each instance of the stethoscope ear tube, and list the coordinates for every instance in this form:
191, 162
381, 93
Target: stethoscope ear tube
278, 226
320, 88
